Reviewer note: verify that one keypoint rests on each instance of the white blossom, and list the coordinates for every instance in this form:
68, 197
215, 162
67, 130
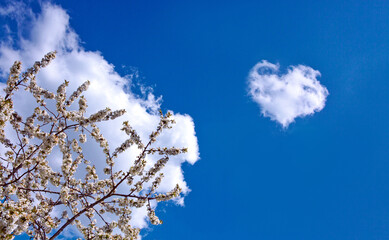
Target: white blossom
31, 190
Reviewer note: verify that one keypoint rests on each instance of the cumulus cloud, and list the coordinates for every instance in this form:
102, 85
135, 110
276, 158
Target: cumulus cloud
284, 97
49, 30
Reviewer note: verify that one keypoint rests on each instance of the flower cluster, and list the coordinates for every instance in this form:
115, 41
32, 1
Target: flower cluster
31, 191
153, 218
170, 195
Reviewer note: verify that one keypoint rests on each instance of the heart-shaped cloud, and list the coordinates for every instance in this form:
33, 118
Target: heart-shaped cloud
284, 97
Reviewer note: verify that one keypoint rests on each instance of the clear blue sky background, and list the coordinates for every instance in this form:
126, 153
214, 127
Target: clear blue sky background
326, 176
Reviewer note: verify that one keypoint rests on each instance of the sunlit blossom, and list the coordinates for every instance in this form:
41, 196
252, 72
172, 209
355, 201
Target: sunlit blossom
31, 190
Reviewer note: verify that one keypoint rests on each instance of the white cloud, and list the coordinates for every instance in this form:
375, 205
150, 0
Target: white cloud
50, 31
284, 97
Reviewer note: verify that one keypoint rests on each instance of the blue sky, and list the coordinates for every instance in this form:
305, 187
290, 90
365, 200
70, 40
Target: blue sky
325, 176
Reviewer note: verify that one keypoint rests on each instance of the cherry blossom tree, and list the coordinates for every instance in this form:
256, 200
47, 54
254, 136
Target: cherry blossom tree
42, 202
